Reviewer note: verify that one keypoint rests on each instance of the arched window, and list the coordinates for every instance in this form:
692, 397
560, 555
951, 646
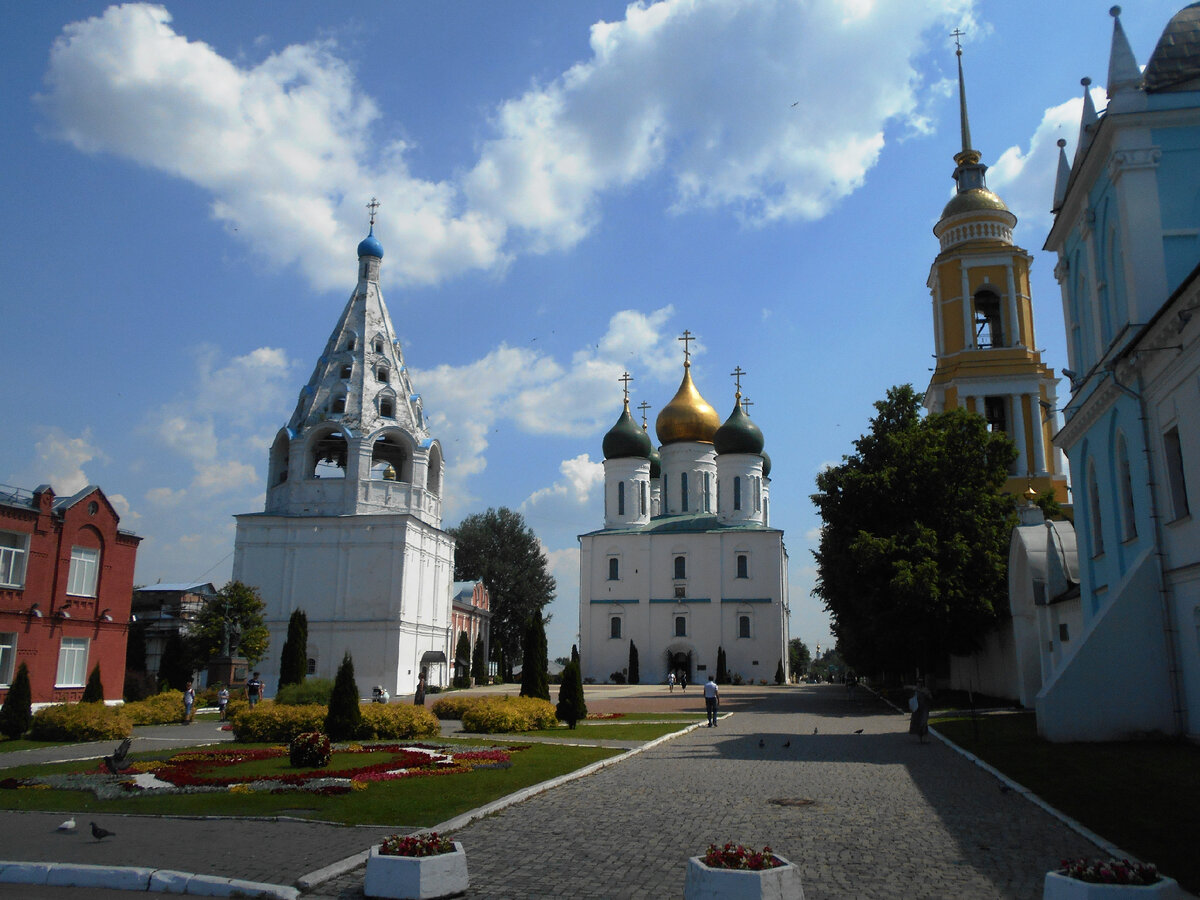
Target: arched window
378, 345
987, 320
681, 567
681, 626
311, 666
683, 492
614, 568
743, 626
620, 498
351, 342
1094, 517
707, 492
614, 627
641, 498
327, 455
387, 407
743, 566
391, 451
737, 492
338, 404
433, 479
382, 374
1125, 485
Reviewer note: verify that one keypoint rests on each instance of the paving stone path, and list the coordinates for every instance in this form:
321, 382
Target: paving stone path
888, 816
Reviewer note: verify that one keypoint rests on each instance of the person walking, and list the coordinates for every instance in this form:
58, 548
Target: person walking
189, 703
671, 682
254, 688
711, 699
419, 697
919, 704
223, 700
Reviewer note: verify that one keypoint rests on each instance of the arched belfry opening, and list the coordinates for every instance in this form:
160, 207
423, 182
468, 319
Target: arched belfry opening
391, 451
433, 480
278, 465
989, 332
328, 454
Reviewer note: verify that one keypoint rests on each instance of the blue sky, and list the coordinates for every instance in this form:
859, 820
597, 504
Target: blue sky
565, 188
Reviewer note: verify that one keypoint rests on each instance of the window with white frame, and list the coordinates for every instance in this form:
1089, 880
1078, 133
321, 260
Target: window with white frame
72, 662
737, 492
743, 626
743, 565
642, 498
614, 568
8, 655
681, 567
85, 572
14, 548
681, 626
683, 491
620, 498
1175, 470
614, 627
707, 492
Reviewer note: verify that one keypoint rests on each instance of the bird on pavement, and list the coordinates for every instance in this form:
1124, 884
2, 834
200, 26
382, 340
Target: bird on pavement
100, 833
67, 827
761, 743
788, 742
116, 764
859, 731
814, 729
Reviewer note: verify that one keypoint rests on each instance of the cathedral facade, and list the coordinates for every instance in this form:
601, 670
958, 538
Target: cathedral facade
687, 564
351, 533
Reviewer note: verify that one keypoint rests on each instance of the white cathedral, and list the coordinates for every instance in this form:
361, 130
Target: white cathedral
687, 563
352, 532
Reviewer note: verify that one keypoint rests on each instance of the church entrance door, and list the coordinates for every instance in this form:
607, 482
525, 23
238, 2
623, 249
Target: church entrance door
681, 664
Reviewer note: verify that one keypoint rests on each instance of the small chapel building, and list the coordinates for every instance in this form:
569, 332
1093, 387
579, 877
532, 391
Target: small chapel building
687, 564
351, 533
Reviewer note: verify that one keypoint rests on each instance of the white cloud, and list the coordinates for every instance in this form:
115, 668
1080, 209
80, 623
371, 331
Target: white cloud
165, 497
1025, 178
696, 92
60, 458
580, 476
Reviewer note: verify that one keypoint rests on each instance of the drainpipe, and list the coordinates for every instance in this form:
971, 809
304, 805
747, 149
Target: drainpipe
1173, 675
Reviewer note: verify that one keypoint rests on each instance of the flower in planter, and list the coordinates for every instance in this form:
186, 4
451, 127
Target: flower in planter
430, 844
310, 750
1109, 871
735, 856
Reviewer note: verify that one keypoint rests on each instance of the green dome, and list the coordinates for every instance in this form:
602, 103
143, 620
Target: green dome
738, 434
766, 463
655, 463
626, 438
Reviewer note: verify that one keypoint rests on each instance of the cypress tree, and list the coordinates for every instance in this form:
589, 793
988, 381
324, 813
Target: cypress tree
16, 714
293, 659
779, 672
575, 657
571, 706
462, 661
535, 681
344, 718
94, 691
501, 671
722, 671
479, 663
634, 674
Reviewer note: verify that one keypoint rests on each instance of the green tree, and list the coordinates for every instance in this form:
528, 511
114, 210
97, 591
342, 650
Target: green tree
462, 661
135, 648
635, 675
575, 656
535, 680
779, 676
176, 666
499, 549
722, 667
293, 658
93, 692
799, 658
913, 553
571, 706
16, 714
479, 662
344, 718
236, 611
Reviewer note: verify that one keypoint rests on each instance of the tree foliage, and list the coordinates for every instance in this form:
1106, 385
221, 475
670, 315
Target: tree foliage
135, 648
344, 717
571, 705
499, 549
238, 608
722, 676
176, 665
779, 675
914, 542
16, 715
293, 658
535, 680
479, 662
799, 657
93, 692
462, 661
635, 675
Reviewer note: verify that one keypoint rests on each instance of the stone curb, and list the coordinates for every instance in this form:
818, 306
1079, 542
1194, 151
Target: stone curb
1078, 827
136, 878
334, 870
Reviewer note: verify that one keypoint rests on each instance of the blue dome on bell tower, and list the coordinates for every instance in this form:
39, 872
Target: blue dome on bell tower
370, 246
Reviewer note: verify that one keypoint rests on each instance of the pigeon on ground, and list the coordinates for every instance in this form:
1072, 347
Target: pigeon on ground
761, 743
859, 731
67, 827
100, 833
116, 764
814, 729
788, 742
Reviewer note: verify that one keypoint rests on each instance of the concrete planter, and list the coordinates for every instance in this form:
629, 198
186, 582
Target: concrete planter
416, 877
704, 883
1060, 887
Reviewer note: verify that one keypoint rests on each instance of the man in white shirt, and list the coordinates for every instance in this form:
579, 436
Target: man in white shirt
711, 695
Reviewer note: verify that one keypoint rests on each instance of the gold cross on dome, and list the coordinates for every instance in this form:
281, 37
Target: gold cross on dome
956, 34
372, 206
746, 404
625, 379
687, 353
642, 407
737, 374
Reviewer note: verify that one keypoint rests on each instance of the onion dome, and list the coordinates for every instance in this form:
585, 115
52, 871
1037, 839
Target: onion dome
370, 246
739, 434
766, 463
1176, 60
688, 417
978, 199
655, 462
626, 438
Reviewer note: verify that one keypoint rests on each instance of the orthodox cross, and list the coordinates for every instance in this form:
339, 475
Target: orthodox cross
737, 374
642, 407
746, 404
625, 379
687, 353
956, 34
372, 206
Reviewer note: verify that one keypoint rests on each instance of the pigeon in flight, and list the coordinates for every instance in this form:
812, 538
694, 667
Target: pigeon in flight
116, 764
100, 833
67, 827
860, 731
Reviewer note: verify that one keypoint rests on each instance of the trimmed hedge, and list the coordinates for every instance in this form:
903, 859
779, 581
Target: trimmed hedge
81, 722
269, 723
493, 715
390, 721
453, 706
310, 690
161, 709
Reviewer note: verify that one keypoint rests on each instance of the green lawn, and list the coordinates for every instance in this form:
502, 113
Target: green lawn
407, 802
1143, 796
11, 746
652, 717
599, 731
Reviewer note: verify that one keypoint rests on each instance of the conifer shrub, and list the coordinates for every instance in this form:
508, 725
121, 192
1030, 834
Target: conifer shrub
17, 712
270, 723
397, 721
634, 674
493, 715
293, 658
462, 661
93, 692
81, 722
571, 705
310, 690
779, 672
163, 708
722, 669
479, 662
345, 713
454, 705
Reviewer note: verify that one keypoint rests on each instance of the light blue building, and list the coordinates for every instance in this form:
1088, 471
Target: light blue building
1127, 235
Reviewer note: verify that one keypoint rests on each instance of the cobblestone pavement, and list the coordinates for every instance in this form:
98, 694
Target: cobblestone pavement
888, 816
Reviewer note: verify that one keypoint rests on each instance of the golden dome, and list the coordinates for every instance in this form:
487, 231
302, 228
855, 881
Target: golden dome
688, 417
973, 200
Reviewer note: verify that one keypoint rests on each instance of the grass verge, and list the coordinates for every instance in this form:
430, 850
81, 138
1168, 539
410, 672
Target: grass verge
411, 802
595, 731
1144, 796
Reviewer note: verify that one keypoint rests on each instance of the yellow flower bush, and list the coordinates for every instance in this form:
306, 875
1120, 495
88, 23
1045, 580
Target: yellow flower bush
268, 722
492, 715
389, 721
80, 722
453, 706
161, 709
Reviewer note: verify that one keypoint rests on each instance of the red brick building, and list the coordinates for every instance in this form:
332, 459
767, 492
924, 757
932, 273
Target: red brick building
470, 611
66, 580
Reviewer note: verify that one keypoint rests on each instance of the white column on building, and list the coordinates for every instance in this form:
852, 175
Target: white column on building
1018, 433
1014, 336
968, 319
1039, 445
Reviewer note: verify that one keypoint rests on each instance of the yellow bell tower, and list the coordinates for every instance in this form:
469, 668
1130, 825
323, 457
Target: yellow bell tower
987, 361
